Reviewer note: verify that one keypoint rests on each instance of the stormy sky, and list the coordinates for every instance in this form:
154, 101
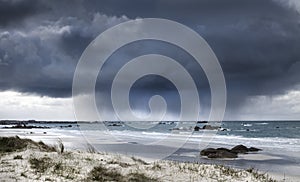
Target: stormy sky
257, 44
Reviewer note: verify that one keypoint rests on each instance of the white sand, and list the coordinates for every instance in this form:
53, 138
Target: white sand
76, 166
284, 178
257, 157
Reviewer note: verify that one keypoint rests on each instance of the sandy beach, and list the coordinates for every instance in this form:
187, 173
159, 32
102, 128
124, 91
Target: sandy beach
34, 163
279, 155
185, 164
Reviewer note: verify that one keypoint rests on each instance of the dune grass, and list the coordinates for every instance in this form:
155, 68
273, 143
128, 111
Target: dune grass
40, 165
101, 173
140, 177
13, 144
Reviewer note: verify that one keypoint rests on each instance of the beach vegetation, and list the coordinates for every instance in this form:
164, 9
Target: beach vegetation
18, 157
88, 159
23, 174
91, 149
60, 146
13, 144
71, 166
40, 164
140, 177
101, 173
139, 160
60, 169
122, 164
156, 166
260, 176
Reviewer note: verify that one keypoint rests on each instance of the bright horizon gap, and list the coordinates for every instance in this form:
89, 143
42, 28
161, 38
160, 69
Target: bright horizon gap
25, 106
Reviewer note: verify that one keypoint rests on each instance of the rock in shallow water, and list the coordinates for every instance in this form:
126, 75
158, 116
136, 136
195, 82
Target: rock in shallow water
222, 154
253, 149
227, 153
240, 149
218, 153
209, 127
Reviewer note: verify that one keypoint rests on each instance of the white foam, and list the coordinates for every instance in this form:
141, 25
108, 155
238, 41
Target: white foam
261, 123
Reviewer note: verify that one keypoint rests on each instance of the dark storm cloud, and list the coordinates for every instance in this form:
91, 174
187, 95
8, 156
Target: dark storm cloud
42, 59
257, 42
14, 11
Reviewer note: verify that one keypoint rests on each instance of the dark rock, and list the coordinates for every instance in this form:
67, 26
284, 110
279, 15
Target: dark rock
197, 128
202, 122
209, 127
68, 126
222, 129
26, 127
224, 149
222, 154
114, 124
253, 149
227, 153
207, 151
218, 153
240, 149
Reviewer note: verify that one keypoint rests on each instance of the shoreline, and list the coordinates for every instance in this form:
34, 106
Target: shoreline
273, 164
37, 161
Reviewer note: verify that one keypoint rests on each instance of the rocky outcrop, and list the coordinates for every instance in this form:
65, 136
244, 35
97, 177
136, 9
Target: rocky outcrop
197, 128
253, 149
240, 149
68, 126
243, 149
218, 153
227, 153
201, 122
209, 127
